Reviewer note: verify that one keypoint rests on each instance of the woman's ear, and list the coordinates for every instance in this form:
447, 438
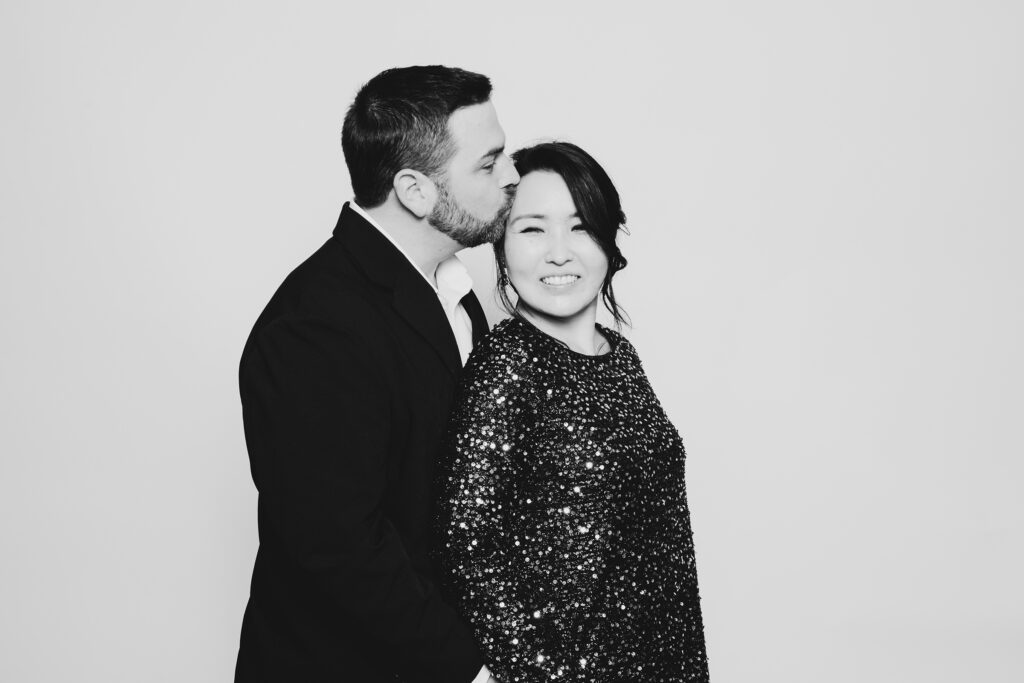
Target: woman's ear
415, 191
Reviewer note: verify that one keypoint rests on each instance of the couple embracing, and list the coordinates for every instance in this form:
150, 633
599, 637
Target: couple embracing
440, 503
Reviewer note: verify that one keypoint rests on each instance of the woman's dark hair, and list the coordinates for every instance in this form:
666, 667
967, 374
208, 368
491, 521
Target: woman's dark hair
399, 119
597, 204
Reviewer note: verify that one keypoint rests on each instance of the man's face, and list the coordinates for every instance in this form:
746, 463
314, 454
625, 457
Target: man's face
476, 190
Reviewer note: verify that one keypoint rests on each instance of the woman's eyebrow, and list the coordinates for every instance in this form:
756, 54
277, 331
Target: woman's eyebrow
529, 215
542, 216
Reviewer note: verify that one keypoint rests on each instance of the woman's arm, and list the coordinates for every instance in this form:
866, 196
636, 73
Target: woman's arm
482, 542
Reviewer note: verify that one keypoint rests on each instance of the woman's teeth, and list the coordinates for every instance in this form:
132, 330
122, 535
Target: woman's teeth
560, 279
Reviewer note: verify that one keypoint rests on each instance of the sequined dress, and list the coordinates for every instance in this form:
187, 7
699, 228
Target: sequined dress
564, 527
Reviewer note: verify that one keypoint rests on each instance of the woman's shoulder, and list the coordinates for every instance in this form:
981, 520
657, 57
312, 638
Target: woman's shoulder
500, 368
617, 342
505, 342
505, 350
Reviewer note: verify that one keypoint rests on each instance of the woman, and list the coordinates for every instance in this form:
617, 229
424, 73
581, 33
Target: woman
564, 523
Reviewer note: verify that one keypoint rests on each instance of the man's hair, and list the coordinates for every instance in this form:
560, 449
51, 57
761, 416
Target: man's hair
399, 119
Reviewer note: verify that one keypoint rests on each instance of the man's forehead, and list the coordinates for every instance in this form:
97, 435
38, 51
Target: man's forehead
475, 129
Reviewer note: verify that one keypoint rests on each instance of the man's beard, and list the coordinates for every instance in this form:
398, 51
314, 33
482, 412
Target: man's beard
450, 218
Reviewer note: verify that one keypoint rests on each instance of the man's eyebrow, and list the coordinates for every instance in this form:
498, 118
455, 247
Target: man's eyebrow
493, 152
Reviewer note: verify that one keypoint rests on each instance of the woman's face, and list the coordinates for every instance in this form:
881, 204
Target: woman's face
556, 267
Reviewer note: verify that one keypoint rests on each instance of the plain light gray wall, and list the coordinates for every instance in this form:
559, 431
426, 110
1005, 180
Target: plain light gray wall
826, 210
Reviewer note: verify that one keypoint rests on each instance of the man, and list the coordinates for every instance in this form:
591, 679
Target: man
346, 383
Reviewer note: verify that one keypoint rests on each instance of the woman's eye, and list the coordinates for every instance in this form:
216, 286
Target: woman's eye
530, 228
580, 227
488, 167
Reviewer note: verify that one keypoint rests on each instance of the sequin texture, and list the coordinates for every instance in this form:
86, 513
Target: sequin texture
565, 533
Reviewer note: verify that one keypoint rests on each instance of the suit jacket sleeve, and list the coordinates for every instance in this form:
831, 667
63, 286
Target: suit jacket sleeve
312, 397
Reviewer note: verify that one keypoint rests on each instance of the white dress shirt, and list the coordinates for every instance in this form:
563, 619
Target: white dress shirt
453, 283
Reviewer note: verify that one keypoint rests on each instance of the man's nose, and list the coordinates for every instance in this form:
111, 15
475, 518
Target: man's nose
509, 176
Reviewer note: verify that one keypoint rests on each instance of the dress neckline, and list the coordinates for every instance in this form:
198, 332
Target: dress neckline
613, 338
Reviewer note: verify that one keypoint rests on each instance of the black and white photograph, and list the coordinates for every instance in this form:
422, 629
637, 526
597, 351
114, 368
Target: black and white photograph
548, 341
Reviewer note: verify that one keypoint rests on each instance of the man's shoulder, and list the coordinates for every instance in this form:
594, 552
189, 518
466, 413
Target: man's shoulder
327, 294
328, 284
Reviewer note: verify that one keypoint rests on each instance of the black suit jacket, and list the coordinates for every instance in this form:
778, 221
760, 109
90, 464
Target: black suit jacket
346, 381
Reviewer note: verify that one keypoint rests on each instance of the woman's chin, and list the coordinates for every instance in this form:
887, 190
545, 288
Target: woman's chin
557, 312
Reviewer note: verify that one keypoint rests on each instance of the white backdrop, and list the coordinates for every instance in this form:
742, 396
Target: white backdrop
825, 281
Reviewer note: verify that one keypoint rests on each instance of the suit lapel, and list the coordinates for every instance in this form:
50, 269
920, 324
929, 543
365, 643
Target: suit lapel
417, 303
413, 298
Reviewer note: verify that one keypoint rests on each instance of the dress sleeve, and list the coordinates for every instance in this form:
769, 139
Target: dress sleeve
482, 485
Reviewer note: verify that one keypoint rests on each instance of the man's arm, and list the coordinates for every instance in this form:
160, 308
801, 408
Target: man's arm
310, 391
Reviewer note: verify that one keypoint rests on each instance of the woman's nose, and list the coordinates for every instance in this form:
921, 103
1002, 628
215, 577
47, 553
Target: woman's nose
558, 250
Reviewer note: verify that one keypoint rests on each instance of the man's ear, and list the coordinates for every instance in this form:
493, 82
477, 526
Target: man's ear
415, 191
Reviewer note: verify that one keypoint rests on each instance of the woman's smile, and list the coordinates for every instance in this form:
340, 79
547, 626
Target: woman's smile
560, 281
